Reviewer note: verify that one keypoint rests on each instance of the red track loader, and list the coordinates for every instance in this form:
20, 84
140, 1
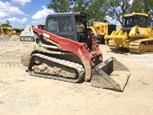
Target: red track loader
64, 50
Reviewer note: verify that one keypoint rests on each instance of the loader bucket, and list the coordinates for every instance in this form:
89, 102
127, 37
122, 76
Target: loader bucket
110, 74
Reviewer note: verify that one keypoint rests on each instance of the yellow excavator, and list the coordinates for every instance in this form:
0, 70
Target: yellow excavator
101, 29
135, 34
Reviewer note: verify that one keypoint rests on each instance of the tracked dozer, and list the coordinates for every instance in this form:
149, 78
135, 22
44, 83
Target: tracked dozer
135, 35
63, 51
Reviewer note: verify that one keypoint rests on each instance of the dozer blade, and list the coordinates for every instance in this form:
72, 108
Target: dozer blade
110, 74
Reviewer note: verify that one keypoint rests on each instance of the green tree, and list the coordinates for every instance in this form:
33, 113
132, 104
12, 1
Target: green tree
6, 25
96, 10
80, 6
59, 5
136, 6
117, 8
144, 6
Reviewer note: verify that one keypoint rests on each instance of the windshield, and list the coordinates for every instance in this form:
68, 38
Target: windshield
80, 26
135, 20
59, 24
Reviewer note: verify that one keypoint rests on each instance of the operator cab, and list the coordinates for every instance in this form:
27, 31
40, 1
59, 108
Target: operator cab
134, 19
68, 25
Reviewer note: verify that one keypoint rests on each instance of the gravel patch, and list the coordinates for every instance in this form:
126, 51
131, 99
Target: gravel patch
7, 39
4, 39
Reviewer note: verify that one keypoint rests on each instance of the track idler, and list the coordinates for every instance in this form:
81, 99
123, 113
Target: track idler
110, 74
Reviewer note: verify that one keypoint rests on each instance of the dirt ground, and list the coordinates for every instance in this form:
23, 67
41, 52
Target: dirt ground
22, 94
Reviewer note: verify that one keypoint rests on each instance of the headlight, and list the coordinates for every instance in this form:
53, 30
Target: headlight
27, 38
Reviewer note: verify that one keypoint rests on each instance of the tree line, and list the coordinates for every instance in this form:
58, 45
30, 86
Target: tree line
98, 9
7, 24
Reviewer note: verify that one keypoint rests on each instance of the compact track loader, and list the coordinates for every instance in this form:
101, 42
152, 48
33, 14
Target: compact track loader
135, 35
65, 51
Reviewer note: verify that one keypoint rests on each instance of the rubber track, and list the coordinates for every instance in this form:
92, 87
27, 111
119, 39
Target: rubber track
79, 68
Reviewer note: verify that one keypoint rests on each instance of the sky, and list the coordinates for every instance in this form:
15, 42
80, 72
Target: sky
21, 13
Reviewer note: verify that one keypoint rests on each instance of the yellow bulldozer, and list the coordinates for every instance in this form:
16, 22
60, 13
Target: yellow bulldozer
101, 29
136, 35
8, 31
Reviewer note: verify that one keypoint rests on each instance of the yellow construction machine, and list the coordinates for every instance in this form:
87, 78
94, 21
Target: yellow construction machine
136, 35
8, 31
41, 26
17, 31
101, 29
